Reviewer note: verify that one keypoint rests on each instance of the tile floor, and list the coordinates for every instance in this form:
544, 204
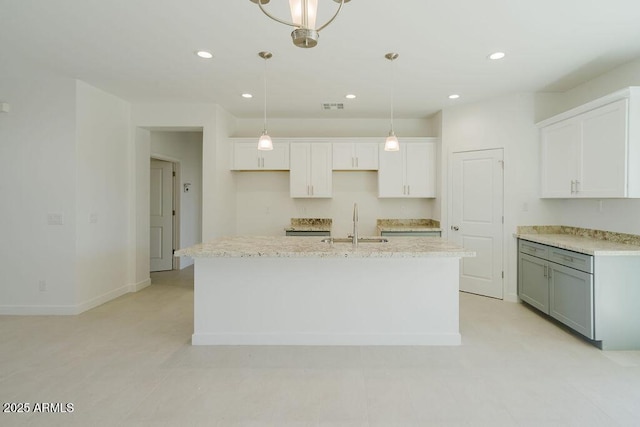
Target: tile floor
130, 362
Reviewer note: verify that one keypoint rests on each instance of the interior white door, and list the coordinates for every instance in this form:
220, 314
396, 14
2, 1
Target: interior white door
477, 219
161, 215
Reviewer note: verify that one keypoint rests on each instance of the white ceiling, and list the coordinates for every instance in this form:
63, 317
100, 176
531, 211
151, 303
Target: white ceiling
143, 50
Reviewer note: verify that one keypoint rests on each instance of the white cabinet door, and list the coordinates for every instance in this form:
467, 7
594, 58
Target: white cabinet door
593, 151
355, 156
409, 172
366, 155
310, 173
560, 158
604, 145
343, 156
246, 156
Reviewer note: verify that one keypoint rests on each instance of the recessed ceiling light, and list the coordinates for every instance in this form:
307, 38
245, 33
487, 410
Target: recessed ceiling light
454, 96
247, 95
497, 55
204, 54
350, 96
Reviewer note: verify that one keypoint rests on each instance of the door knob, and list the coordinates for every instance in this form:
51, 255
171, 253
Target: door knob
454, 228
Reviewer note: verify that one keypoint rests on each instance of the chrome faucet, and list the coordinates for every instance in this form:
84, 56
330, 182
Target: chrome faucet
354, 237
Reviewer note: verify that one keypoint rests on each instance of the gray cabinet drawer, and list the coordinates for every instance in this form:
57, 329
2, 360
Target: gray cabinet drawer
582, 262
535, 249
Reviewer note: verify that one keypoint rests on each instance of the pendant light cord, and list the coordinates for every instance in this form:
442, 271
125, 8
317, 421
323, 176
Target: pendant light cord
392, 92
265, 95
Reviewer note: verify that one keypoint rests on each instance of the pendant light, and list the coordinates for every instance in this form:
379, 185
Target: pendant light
391, 144
265, 143
303, 20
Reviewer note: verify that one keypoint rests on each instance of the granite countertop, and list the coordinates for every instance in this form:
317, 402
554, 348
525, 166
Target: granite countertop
312, 247
419, 224
586, 241
310, 224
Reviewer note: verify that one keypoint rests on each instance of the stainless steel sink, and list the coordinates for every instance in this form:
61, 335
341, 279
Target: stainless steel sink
350, 240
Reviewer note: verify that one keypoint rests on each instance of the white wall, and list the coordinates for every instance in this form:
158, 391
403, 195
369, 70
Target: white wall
37, 177
619, 215
64, 151
102, 184
279, 127
508, 123
186, 149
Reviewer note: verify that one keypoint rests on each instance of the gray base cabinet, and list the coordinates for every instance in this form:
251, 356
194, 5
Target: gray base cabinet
597, 296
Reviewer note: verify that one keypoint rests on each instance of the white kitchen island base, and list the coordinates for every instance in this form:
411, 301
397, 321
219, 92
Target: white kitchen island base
326, 301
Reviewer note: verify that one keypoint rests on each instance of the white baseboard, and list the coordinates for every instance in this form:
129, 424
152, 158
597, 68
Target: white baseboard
452, 339
92, 303
69, 310
140, 285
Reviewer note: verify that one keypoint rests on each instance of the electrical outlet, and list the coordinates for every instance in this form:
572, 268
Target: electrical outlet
42, 285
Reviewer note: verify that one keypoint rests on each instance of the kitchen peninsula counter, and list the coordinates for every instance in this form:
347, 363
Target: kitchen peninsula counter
302, 291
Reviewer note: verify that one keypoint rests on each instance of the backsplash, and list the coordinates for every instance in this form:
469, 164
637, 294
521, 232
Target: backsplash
629, 239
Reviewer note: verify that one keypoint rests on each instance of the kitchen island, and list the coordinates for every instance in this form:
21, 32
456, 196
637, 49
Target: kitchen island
302, 291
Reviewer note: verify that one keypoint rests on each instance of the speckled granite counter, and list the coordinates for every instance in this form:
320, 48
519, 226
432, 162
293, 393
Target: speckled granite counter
586, 241
310, 224
407, 225
312, 247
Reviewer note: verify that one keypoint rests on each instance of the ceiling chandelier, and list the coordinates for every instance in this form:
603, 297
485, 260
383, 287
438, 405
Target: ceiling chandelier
303, 19
391, 144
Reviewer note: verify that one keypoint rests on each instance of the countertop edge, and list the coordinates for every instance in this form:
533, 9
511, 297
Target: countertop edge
555, 240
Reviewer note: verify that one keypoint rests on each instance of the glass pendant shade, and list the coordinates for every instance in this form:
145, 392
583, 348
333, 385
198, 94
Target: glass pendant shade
297, 12
265, 143
391, 144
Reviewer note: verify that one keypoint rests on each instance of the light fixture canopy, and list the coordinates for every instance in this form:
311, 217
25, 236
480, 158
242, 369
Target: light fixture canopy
391, 143
265, 143
497, 55
303, 19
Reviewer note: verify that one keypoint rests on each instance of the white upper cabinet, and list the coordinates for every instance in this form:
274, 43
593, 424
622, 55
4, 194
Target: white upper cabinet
246, 156
593, 151
355, 156
408, 173
310, 173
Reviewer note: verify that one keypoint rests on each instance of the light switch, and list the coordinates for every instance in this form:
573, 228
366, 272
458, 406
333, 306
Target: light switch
55, 219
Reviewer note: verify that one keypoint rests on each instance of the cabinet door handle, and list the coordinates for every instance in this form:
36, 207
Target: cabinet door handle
312, 190
408, 190
549, 274
308, 190
258, 161
545, 271
573, 186
357, 162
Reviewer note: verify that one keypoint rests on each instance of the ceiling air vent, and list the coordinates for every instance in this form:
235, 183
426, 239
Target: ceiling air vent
333, 106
